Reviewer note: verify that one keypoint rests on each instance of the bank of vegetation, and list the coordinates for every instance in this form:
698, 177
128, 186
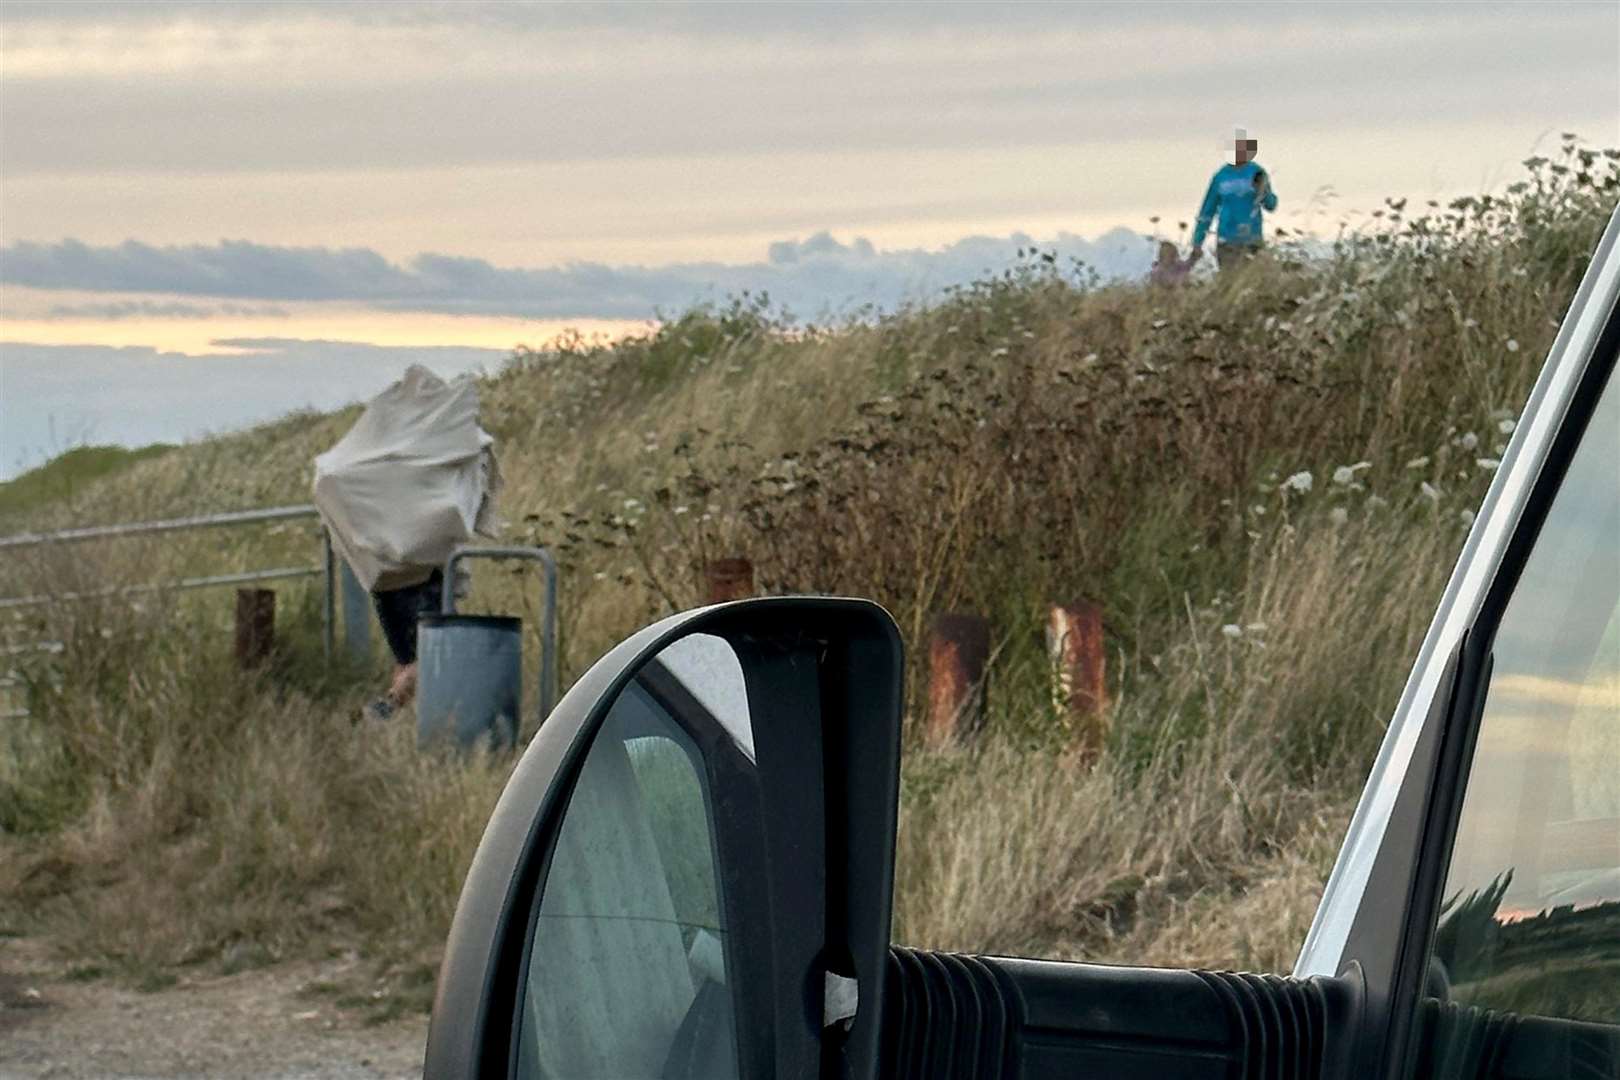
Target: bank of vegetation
1263, 480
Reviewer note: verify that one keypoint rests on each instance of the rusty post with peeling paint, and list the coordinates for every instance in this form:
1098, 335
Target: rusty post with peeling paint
728, 579
255, 626
958, 653
1074, 642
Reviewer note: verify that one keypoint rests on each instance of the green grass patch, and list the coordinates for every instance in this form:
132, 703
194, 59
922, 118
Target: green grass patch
68, 475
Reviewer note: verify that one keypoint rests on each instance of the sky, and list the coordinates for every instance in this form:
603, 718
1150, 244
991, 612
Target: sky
223, 211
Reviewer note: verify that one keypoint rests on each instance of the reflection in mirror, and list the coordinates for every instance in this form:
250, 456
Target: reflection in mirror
627, 970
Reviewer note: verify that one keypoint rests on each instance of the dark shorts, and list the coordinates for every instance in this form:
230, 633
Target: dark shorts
398, 609
1231, 256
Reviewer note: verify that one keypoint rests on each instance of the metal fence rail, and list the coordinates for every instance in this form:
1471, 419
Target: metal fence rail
358, 636
339, 581
245, 578
139, 528
357, 629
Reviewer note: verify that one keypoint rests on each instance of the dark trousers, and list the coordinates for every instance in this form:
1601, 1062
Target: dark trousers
1232, 256
398, 610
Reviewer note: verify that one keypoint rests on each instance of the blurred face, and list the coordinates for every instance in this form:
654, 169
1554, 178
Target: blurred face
1243, 150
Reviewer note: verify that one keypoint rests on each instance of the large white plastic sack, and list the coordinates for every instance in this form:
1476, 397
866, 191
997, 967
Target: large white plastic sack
412, 479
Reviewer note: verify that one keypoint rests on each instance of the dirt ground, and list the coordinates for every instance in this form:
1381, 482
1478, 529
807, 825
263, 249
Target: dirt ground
287, 1022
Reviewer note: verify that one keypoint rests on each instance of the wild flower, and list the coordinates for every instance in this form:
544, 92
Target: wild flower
1512, 345
1429, 491
1339, 516
1487, 463
1345, 475
1232, 631
1300, 482
1467, 440
1506, 426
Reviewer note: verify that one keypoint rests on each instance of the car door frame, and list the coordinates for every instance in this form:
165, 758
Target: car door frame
1400, 839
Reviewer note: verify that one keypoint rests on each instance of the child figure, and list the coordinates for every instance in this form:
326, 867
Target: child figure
1169, 268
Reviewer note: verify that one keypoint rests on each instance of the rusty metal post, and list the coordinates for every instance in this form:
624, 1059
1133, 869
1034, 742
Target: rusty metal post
958, 652
728, 579
255, 626
1074, 641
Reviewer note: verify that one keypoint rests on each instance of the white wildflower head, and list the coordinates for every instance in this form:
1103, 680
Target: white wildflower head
1232, 631
1300, 482
1489, 464
1512, 345
1418, 463
1466, 517
1429, 491
1506, 426
1339, 515
1345, 475
1468, 440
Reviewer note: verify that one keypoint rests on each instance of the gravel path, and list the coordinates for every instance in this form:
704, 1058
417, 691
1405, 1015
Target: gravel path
262, 1024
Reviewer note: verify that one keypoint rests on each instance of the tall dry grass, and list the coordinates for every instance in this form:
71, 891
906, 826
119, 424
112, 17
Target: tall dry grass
1263, 479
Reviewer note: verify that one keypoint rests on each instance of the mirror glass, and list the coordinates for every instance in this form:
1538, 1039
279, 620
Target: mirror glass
626, 974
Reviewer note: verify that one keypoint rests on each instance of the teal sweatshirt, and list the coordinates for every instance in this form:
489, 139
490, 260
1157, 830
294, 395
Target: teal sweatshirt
1234, 192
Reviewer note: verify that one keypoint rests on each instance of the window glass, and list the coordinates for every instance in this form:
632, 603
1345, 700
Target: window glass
1530, 923
627, 972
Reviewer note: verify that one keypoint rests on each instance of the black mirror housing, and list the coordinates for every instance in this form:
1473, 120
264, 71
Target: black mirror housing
813, 816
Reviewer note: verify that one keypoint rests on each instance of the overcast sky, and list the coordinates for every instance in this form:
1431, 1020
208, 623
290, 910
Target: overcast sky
466, 177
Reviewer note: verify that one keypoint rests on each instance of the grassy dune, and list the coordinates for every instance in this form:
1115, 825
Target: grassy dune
1263, 480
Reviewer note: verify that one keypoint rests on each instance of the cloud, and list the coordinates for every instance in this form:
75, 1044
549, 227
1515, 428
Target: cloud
812, 276
186, 89
117, 310
57, 396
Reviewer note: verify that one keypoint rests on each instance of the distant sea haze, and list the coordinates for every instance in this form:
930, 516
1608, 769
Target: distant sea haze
55, 397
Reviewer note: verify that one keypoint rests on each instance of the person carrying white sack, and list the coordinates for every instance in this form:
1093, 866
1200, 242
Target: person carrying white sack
414, 478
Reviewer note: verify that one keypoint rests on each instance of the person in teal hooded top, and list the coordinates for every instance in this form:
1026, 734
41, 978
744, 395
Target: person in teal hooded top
1238, 194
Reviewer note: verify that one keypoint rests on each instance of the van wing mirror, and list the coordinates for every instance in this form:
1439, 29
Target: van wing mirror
690, 872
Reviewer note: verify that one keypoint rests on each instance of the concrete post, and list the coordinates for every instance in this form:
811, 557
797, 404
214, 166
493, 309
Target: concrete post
728, 579
255, 626
958, 653
1074, 641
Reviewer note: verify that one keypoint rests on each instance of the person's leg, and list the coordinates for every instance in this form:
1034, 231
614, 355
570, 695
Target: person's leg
403, 686
397, 611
